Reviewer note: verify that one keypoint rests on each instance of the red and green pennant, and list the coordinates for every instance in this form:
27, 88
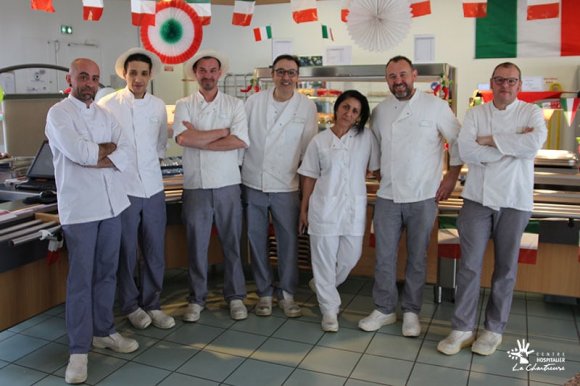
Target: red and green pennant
143, 12
262, 33
243, 12
449, 247
327, 32
42, 5
203, 10
420, 7
570, 107
304, 11
92, 10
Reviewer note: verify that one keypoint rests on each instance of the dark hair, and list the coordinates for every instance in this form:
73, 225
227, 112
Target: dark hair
286, 57
398, 58
365, 110
138, 58
204, 58
507, 65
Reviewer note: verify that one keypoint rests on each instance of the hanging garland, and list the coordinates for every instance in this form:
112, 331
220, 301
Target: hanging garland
177, 33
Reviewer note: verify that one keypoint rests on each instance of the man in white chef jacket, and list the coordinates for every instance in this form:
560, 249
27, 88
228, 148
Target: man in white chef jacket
89, 153
498, 141
411, 127
281, 123
143, 119
211, 126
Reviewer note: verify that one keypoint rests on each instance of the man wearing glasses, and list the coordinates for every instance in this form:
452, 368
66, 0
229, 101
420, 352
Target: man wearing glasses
281, 123
498, 141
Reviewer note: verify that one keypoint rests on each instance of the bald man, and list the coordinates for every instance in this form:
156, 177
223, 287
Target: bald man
89, 153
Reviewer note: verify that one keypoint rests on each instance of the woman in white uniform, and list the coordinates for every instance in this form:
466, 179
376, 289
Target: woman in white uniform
334, 198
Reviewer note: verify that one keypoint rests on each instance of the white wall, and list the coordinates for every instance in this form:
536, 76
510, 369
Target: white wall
34, 37
454, 43
454, 40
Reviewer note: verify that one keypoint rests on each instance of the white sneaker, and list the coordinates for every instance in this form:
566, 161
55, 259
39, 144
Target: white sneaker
238, 310
264, 306
312, 286
486, 343
329, 323
139, 319
192, 312
290, 308
455, 341
76, 371
411, 324
161, 319
376, 320
116, 342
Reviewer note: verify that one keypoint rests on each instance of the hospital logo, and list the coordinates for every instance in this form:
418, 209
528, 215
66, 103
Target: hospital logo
541, 361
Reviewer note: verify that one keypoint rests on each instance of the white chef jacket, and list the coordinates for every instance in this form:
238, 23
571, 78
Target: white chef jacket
338, 204
278, 141
74, 133
207, 169
410, 134
502, 177
144, 122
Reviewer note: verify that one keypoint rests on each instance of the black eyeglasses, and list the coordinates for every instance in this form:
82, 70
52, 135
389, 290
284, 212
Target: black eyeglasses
281, 72
498, 80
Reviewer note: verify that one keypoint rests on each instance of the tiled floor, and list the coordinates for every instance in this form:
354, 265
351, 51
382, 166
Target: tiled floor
279, 351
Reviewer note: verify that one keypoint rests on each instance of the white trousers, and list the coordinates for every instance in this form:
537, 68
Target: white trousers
333, 257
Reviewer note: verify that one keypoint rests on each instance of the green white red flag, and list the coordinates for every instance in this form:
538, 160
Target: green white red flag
543, 9
420, 7
92, 10
327, 32
262, 33
243, 12
42, 5
506, 32
143, 12
304, 11
344, 10
475, 8
203, 10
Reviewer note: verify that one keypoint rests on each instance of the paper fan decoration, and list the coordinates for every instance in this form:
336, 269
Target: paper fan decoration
377, 25
177, 33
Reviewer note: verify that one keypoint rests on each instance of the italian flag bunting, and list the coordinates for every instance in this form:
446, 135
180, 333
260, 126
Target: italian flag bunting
448, 238
570, 106
529, 243
327, 32
203, 10
143, 12
345, 10
243, 12
475, 8
506, 32
262, 33
42, 5
420, 7
543, 9
304, 11
92, 10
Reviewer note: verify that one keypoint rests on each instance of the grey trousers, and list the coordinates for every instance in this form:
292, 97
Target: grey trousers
143, 228
389, 221
93, 255
477, 224
285, 209
201, 208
